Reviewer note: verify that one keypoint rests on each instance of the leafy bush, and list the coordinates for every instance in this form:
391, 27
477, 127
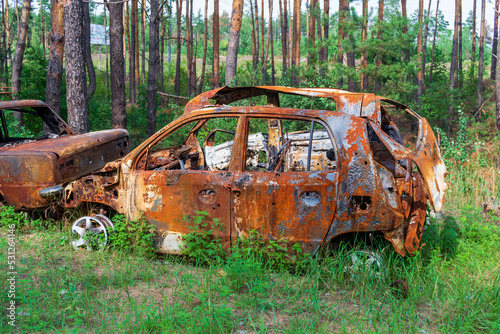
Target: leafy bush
202, 245
441, 237
132, 236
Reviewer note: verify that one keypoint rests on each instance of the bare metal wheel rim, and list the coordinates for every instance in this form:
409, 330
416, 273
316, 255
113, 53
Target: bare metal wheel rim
365, 263
106, 221
92, 233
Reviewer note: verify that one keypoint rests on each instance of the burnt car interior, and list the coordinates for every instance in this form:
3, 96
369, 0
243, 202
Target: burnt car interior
273, 145
34, 119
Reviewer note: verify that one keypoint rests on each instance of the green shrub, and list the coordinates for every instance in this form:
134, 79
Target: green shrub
132, 236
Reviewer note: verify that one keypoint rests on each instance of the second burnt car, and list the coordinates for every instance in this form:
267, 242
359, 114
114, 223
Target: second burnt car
307, 175
34, 167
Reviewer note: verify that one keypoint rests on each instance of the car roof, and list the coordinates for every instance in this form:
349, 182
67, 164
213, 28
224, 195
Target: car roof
355, 104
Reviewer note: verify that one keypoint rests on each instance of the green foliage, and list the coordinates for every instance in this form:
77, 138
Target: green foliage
203, 245
132, 236
22, 221
457, 149
441, 237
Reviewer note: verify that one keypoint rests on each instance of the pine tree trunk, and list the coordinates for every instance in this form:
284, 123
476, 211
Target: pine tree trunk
216, 44
460, 64
106, 46
406, 50
137, 49
283, 39
177, 80
257, 45
286, 30
273, 82
162, 50
193, 52
324, 48
76, 78
311, 34
494, 48
378, 84
262, 32
481, 60
117, 61
56, 53
434, 42
3, 49
205, 45
154, 28
420, 75
189, 48
340, 50
364, 57
268, 42
473, 52
234, 39
89, 64
426, 33
42, 36
132, 51
255, 59
351, 63
17, 63
143, 41
454, 63
295, 44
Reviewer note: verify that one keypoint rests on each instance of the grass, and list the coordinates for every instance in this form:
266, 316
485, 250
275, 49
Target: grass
60, 290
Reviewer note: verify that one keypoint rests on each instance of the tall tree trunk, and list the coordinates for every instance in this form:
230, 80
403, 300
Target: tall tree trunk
143, 41
481, 59
106, 46
497, 98
17, 63
193, 52
4, 66
494, 48
177, 80
426, 33
406, 50
234, 39
286, 29
132, 50
76, 78
324, 47
257, 45
215, 25
56, 53
311, 35
137, 49
189, 48
454, 63
128, 48
364, 58
262, 21
473, 53
340, 49
272, 38
420, 75
154, 27
255, 52
117, 62
268, 42
351, 63
295, 44
460, 64
162, 49
434, 42
88, 52
205, 45
378, 84
42, 35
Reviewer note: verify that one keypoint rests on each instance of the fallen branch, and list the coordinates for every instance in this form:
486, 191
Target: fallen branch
173, 96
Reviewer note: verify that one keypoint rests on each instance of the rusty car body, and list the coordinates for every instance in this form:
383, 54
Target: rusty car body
307, 175
34, 168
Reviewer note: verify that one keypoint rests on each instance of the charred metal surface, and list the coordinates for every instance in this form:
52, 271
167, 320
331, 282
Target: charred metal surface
30, 166
307, 186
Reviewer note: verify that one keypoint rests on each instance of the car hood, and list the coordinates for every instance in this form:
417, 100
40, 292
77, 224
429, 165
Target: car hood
67, 145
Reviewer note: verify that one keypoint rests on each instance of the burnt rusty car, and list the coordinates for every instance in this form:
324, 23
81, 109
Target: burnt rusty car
294, 172
34, 167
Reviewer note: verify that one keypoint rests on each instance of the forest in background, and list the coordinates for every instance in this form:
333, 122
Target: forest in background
162, 53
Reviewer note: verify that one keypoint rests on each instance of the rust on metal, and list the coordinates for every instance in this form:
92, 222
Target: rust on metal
31, 166
342, 171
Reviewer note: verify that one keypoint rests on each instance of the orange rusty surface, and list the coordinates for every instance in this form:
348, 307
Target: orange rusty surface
29, 165
372, 186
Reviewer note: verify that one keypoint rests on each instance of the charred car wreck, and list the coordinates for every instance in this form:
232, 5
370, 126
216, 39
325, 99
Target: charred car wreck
34, 168
303, 174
